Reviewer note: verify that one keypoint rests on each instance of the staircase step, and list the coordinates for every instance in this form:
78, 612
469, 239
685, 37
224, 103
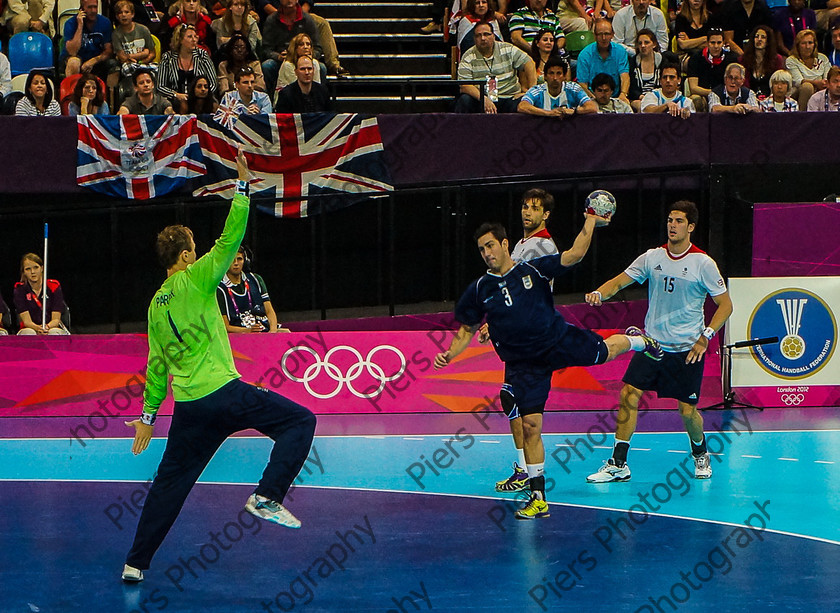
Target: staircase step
384, 26
374, 10
395, 64
390, 43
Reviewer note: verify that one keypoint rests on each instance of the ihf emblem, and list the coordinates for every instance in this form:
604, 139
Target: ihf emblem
805, 326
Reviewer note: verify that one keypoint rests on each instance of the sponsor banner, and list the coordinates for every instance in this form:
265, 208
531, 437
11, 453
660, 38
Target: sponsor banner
800, 369
98, 377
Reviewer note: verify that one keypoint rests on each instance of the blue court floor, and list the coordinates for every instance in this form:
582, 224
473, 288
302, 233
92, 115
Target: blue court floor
410, 522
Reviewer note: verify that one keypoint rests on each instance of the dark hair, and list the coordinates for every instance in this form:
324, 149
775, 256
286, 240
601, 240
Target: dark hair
602, 78
768, 64
556, 60
535, 50
48, 97
714, 31
141, 71
470, 7
196, 105
545, 199
242, 72
226, 50
483, 22
650, 34
687, 207
670, 65
80, 86
171, 241
496, 229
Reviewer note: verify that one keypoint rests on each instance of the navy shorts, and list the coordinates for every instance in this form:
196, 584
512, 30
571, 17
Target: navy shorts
670, 378
529, 381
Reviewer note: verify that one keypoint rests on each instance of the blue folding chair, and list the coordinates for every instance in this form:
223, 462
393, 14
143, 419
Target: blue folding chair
29, 50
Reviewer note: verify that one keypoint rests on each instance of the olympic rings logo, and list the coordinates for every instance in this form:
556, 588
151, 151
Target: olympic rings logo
793, 399
334, 372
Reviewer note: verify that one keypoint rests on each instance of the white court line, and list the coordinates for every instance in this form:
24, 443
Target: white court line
634, 448
676, 451
381, 436
413, 438
496, 442
757, 457
604, 447
790, 459
823, 462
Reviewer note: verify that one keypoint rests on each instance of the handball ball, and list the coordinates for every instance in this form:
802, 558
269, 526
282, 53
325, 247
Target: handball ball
600, 203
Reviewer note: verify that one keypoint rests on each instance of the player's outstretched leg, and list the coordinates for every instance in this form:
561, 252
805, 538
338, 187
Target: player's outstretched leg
518, 481
616, 468
694, 427
292, 428
537, 507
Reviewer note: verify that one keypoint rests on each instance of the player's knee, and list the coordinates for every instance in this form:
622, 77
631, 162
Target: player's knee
630, 397
688, 411
509, 405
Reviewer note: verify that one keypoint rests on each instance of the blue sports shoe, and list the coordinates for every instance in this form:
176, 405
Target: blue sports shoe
652, 348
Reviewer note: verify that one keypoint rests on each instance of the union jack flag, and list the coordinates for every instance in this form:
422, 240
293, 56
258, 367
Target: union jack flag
314, 162
227, 114
137, 156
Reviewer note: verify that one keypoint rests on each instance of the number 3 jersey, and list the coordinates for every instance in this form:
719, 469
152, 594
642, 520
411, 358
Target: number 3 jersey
519, 307
676, 293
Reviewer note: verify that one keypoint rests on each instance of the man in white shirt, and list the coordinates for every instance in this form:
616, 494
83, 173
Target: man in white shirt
629, 20
829, 98
244, 97
668, 98
679, 276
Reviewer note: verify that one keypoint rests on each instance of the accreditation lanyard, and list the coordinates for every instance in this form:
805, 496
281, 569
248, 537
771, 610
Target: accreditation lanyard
247, 293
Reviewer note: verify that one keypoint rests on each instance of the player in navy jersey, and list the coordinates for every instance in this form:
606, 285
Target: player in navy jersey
680, 277
531, 337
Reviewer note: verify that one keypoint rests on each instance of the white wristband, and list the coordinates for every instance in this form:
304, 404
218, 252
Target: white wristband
709, 333
600, 297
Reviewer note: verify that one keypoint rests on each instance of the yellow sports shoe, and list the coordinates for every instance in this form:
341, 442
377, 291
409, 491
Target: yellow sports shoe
535, 509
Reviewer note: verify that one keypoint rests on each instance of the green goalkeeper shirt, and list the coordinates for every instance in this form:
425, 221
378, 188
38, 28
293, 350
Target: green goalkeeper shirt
187, 338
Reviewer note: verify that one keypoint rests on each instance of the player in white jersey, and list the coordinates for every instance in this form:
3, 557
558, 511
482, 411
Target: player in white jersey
537, 205
679, 277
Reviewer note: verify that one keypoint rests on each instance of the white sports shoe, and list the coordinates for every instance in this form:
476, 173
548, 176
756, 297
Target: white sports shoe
702, 466
269, 510
131, 574
609, 472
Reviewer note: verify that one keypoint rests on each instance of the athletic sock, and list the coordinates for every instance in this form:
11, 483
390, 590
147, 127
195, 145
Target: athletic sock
521, 458
637, 343
620, 450
698, 448
536, 472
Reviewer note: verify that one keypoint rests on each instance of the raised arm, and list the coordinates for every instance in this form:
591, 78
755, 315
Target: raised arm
575, 253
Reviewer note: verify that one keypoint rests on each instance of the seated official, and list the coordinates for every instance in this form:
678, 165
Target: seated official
779, 100
556, 97
668, 98
507, 72
145, 101
243, 300
602, 88
244, 98
732, 96
29, 294
304, 95
829, 98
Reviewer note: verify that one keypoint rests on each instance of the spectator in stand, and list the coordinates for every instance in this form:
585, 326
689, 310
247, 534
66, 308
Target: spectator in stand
238, 53
732, 96
829, 98
527, 22
543, 48
132, 43
506, 70
463, 23
781, 84
573, 16
38, 98
145, 101
280, 28
828, 13
323, 39
244, 99
834, 51
668, 98
29, 296
87, 42
190, 12
706, 68
789, 20
761, 60
557, 97
739, 18
299, 46
237, 19
808, 67
149, 13
602, 88
31, 16
304, 95
182, 63
635, 17
645, 67
200, 101
243, 299
605, 56
690, 29
88, 98
5, 77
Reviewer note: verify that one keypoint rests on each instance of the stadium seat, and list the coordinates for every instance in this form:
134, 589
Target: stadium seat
576, 41
68, 84
156, 40
19, 83
10, 102
28, 50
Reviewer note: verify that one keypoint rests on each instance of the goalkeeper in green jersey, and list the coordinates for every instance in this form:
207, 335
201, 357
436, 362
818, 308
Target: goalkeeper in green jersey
188, 342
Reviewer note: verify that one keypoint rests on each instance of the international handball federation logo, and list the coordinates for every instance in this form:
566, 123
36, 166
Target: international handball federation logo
805, 326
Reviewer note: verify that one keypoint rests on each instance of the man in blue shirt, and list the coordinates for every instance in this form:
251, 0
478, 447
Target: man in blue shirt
556, 97
531, 337
604, 56
87, 41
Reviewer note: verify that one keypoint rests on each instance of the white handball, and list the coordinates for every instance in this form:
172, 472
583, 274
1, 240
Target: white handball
600, 203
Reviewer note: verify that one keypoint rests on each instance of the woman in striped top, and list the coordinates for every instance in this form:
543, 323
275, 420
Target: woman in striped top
38, 100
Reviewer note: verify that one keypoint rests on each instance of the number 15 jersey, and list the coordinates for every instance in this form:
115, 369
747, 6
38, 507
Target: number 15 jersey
676, 293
